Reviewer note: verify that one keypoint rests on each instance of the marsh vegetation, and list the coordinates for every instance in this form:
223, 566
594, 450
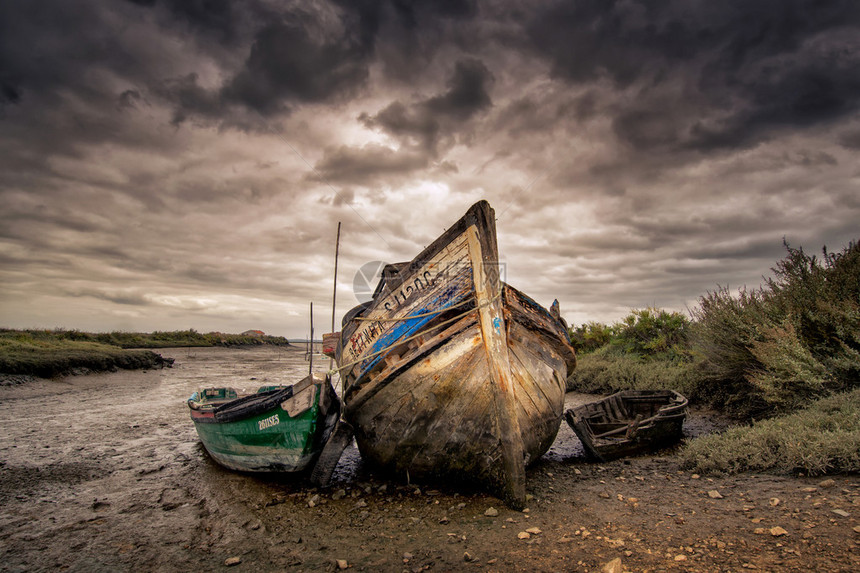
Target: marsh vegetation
783, 359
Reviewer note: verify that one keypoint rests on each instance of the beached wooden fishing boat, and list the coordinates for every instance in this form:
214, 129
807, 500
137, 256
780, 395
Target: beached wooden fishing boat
629, 422
451, 374
277, 429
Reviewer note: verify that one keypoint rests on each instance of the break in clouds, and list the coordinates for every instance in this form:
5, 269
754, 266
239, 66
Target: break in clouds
183, 164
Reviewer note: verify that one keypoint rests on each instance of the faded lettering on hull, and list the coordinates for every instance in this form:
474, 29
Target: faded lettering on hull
425, 289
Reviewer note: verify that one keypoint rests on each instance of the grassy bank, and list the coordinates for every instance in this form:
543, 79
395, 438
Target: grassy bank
157, 339
50, 353
22, 354
823, 438
784, 359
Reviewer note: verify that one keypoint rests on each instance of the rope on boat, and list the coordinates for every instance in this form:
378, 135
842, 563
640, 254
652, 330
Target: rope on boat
411, 316
418, 335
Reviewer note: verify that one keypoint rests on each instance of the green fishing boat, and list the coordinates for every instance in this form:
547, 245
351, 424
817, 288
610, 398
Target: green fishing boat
276, 429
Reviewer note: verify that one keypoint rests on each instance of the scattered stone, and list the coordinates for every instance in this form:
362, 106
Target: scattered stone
695, 476
778, 531
680, 557
774, 501
827, 483
857, 529
314, 500
341, 563
339, 494
467, 556
407, 556
230, 561
444, 520
603, 494
714, 494
841, 512
613, 566
523, 535
491, 512
534, 531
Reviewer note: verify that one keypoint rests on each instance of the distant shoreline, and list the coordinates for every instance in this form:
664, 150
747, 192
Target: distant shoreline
25, 354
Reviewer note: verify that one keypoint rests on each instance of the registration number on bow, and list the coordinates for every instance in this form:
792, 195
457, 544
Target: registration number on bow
269, 422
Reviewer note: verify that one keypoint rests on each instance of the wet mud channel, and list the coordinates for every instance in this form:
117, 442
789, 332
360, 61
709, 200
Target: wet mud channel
105, 473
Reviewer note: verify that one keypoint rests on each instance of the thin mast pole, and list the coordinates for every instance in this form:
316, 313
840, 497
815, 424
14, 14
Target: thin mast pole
311, 344
334, 288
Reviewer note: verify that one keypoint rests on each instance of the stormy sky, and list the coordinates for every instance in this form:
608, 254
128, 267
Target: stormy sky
172, 164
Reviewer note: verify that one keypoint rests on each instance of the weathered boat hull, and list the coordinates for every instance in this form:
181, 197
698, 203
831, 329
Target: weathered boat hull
628, 423
452, 374
437, 419
280, 430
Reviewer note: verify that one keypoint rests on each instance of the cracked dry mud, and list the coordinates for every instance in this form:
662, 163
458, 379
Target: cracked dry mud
105, 473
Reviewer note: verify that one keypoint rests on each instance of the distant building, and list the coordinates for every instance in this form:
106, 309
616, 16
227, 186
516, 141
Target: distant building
259, 333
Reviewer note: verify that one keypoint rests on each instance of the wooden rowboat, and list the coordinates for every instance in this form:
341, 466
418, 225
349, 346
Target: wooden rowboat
629, 422
277, 429
449, 372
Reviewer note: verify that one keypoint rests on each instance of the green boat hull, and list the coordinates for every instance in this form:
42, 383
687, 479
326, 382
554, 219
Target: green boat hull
277, 431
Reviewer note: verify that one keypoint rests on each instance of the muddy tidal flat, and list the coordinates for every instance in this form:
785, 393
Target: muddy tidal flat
105, 473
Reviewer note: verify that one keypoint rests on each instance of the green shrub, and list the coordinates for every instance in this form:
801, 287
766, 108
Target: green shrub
825, 438
822, 299
774, 349
654, 333
590, 336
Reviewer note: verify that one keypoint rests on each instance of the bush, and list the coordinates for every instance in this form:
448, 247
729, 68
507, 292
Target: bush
654, 333
590, 336
775, 349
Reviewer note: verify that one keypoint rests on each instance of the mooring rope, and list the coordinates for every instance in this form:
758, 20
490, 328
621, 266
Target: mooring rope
418, 335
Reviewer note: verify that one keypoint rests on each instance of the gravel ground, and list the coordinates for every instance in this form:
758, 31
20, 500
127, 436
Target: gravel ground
105, 473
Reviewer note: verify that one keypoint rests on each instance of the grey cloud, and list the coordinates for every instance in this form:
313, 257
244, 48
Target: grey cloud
419, 127
421, 123
365, 165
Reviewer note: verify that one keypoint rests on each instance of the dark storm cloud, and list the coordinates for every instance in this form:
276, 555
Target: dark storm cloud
301, 54
730, 72
289, 63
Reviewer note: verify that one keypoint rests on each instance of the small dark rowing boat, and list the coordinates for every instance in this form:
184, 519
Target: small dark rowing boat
277, 429
629, 422
449, 372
